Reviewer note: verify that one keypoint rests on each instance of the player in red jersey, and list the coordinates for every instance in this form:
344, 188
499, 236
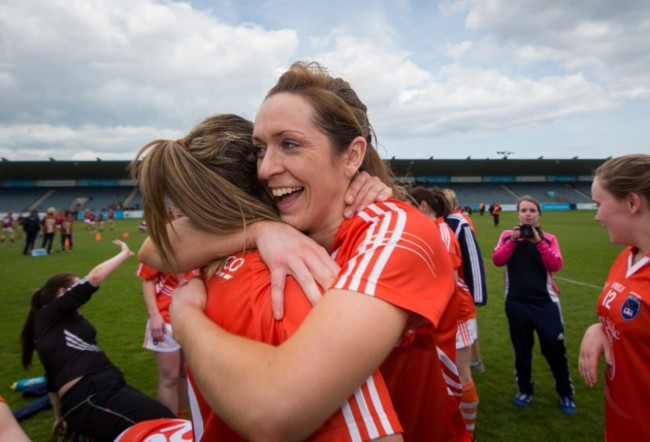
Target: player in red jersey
111, 218
157, 289
67, 239
89, 220
49, 229
435, 204
8, 228
621, 189
395, 276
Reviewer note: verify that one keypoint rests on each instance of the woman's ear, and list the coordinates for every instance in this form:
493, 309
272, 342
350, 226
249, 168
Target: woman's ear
355, 155
634, 201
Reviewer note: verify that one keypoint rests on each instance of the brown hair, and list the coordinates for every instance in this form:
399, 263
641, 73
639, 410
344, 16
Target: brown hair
210, 175
626, 174
339, 114
435, 198
530, 199
40, 299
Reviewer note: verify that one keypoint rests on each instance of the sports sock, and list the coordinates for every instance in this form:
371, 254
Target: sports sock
469, 405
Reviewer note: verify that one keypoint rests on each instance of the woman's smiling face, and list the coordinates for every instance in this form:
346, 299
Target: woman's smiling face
297, 163
612, 213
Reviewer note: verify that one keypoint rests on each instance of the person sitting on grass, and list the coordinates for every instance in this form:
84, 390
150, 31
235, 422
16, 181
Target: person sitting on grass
88, 392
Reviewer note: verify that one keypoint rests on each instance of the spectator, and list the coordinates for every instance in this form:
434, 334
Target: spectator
532, 302
31, 227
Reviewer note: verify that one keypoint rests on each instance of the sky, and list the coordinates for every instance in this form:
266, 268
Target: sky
88, 79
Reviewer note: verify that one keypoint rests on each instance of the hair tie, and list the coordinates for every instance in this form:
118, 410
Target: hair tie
182, 143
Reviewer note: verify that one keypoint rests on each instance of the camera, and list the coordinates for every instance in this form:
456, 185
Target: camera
526, 231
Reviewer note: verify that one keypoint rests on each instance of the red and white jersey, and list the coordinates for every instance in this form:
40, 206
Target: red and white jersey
49, 224
166, 283
624, 311
7, 222
239, 300
66, 225
392, 251
158, 430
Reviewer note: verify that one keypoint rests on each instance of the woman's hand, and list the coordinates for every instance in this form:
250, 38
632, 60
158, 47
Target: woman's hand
58, 428
594, 343
123, 246
364, 190
286, 251
190, 294
515, 233
157, 327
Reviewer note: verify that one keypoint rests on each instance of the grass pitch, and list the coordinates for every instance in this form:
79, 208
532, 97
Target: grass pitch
117, 311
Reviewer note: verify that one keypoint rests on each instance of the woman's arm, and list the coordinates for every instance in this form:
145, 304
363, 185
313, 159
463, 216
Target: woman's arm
549, 250
594, 343
193, 248
504, 248
285, 251
286, 392
10, 430
103, 270
58, 426
156, 321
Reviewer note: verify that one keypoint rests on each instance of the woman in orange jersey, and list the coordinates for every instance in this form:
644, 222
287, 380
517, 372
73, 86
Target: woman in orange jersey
621, 189
435, 204
312, 137
239, 298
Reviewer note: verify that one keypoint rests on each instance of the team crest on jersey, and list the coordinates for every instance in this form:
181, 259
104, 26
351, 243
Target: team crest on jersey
631, 306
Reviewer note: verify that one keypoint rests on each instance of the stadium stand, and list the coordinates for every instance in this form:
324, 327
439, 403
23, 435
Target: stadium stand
95, 185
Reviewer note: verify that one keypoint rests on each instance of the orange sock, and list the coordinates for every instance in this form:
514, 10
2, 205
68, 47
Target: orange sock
469, 405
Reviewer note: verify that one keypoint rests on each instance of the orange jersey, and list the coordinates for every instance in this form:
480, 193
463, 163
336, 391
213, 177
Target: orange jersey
624, 311
393, 252
166, 283
239, 300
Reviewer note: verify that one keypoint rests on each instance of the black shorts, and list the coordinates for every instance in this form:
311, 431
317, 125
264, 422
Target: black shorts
102, 405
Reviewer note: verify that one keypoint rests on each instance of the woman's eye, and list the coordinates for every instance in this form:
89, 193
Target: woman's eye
288, 144
260, 151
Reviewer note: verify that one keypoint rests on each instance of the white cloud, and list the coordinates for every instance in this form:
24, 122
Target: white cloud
131, 62
88, 78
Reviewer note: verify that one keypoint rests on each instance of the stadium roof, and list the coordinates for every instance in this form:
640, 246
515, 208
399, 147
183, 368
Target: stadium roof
97, 170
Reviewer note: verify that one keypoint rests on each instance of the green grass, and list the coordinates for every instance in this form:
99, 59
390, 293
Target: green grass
118, 312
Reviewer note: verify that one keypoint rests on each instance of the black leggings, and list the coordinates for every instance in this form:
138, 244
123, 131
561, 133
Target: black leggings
102, 405
524, 318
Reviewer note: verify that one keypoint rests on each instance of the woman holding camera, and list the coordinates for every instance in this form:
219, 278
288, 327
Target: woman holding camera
532, 302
